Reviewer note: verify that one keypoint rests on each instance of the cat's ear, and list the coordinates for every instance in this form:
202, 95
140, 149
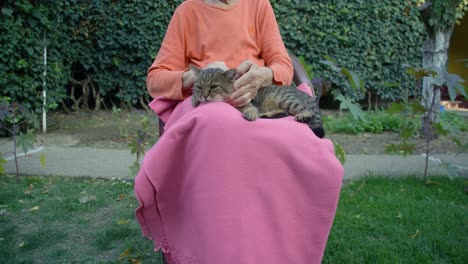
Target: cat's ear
231, 74
195, 69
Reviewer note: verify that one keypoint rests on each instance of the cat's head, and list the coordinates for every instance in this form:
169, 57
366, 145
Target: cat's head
213, 84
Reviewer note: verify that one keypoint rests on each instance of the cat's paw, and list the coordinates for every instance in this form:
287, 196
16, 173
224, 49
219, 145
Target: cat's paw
251, 114
304, 117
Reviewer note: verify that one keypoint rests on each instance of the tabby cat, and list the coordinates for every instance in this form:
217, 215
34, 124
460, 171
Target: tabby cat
215, 84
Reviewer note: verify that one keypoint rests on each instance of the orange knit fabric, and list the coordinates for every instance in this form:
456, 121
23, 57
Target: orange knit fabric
200, 33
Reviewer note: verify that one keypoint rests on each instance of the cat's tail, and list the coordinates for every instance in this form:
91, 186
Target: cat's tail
319, 132
317, 127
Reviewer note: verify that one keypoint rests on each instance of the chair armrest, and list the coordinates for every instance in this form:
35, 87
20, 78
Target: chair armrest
318, 86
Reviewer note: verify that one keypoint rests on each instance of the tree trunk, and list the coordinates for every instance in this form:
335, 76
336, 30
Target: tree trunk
435, 55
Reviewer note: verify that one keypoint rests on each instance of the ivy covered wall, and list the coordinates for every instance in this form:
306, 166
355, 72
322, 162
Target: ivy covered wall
372, 38
101, 49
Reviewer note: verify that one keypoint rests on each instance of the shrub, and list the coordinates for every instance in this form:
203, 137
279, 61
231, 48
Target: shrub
371, 122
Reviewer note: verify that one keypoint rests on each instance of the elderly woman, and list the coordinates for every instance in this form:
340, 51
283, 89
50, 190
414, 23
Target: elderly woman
217, 188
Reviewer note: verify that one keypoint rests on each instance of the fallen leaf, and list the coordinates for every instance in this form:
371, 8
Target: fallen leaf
123, 222
135, 261
35, 208
42, 160
429, 182
415, 234
87, 198
31, 186
121, 197
399, 215
125, 253
21, 201
21, 244
27, 192
45, 191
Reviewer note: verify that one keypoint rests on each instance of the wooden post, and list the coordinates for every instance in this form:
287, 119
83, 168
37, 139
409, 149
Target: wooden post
44, 89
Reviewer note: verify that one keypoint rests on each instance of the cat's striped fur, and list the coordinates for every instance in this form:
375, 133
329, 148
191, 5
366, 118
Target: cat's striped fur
214, 84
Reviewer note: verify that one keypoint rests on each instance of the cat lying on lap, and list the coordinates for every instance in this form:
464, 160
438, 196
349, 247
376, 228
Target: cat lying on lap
273, 101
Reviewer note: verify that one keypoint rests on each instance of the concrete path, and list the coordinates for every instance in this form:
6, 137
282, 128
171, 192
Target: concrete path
114, 163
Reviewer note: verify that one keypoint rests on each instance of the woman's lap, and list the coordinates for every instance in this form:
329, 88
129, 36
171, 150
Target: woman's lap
224, 186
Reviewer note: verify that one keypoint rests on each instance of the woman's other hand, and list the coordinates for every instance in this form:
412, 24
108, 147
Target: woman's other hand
252, 77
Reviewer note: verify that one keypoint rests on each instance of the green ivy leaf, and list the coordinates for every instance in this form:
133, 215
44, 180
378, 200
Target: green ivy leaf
307, 67
396, 108
2, 161
339, 152
26, 140
356, 82
42, 159
451, 169
354, 108
134, 168
416, 107
331, 64
7, 11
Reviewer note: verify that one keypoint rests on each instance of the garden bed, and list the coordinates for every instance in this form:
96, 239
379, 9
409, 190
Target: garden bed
115, 130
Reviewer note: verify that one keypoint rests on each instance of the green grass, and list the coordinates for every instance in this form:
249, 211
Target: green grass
42, 220
400, 221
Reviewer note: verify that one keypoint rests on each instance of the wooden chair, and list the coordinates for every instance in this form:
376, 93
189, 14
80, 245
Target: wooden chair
299, 76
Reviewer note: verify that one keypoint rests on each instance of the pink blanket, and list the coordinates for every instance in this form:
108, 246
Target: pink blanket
219, 189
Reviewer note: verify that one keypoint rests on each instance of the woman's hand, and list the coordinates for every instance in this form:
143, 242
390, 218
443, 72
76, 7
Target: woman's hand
252, 78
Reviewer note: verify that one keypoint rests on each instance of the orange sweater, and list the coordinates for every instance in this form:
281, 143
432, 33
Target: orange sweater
200, 33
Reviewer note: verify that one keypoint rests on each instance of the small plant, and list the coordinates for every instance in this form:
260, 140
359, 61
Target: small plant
117, 115
14, 120
140, 140
322, 87
422, 105
356, 83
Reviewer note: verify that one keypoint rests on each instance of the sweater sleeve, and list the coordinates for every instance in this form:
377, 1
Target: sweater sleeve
273, 50
165, 74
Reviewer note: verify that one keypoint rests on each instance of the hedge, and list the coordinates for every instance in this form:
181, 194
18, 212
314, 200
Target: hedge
106, 46
372, 38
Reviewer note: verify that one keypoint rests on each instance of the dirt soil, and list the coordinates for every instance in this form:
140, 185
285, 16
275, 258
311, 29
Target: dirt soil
116, 130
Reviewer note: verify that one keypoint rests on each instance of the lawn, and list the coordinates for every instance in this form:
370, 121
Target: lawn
69, 220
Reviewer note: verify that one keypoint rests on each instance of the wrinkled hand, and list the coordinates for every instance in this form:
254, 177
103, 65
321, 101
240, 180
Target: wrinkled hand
252, 78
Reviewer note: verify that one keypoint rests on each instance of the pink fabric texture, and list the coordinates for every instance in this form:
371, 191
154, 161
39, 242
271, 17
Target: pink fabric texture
219, 189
